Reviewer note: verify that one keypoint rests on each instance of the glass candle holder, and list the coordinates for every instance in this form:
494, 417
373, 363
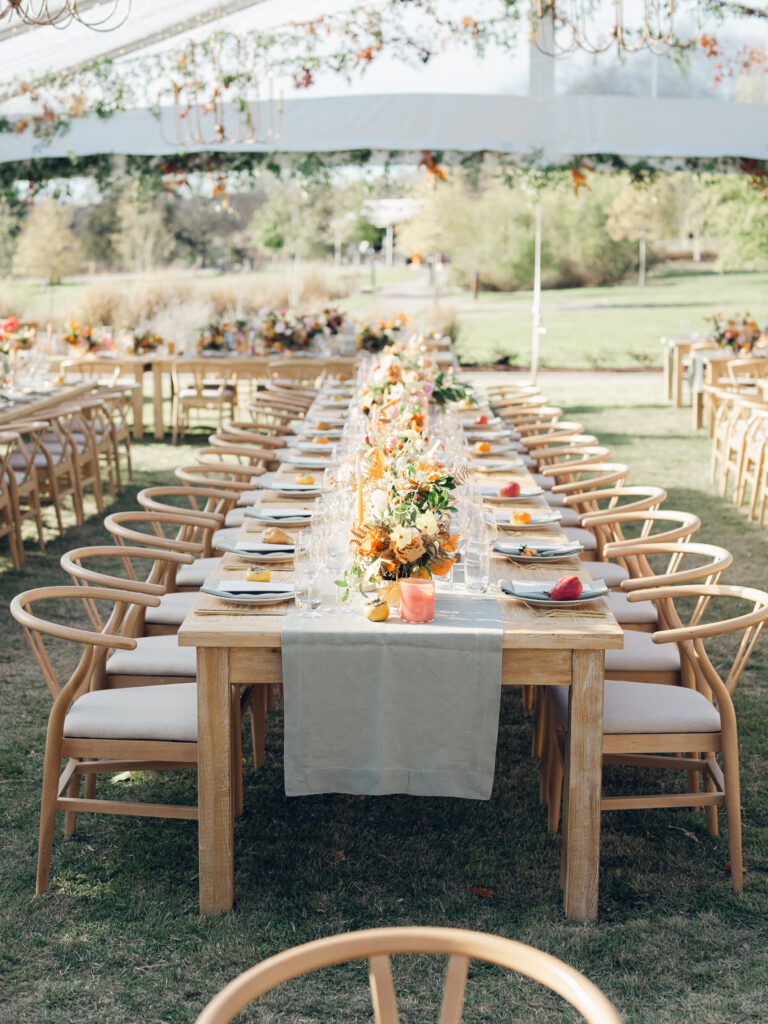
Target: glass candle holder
417, 600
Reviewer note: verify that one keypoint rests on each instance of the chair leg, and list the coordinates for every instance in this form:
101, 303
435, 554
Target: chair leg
733, 815
47, 815
237, 752
70, 817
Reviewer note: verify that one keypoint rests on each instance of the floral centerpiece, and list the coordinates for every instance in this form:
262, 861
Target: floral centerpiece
212, 338
146, 341
376, 337
84, 339
328, 323
283, 329
13, 337
406, 531
739, 333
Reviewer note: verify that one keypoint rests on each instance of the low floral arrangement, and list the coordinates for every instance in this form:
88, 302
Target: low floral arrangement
85, 339
283, 328
146, 341
13, 337
376, 337
406, 529
739, 333
212, 338
328, 323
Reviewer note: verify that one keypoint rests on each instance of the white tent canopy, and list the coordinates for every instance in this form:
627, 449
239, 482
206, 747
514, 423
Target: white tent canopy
509, 101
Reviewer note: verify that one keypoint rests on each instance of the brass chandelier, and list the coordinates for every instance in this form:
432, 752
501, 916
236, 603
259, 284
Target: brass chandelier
562, 27
98, 15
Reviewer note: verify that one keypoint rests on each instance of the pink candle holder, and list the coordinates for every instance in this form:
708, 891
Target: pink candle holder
417, 600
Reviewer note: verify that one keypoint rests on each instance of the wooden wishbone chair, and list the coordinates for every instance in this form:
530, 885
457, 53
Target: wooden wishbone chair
541, 458
379, 944
22, 458
192, 535
545, 416
157, 658
101, 731
220, 503
237, 431
624, 499
9, 522
272, 416
651, 726
259, 460
231, 476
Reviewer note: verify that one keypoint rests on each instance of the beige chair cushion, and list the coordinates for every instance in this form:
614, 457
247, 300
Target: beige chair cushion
647, 708
155, 656
612, 573
555, 500
165, 712
547, 482
585, 537
229, 536
568, 516
641, 654
235, 517
196, 574
636, 613
248, 498
172, 610
530, 462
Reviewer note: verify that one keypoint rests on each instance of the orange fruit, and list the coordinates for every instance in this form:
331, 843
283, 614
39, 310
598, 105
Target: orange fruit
482, 446
520, 517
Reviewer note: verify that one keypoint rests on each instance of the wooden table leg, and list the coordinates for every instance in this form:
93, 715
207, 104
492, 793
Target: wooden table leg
697, 407
214, 780
677, 375
157, 399
668, 372
582, 786
138, 402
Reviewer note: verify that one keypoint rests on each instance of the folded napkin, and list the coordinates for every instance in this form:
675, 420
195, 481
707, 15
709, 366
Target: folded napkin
304, 461
496, 465
541, 588
251, 586
279, 512
543, 548
258, 547
537, 518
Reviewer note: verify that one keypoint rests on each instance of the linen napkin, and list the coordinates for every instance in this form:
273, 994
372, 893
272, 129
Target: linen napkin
541, 588
544, 549
391, 707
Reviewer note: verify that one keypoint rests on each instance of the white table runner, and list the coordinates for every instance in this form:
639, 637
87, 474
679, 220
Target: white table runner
392, 707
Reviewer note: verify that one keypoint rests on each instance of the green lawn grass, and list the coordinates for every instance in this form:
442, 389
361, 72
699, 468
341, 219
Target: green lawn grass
612, 326
118, 937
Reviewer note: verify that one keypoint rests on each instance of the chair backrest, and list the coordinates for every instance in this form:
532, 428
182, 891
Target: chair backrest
592, 477
238, 454
192, 533
377, 945
691, 637
97, 644
202, 375
159, 573
215, 501
633, 498
231, 476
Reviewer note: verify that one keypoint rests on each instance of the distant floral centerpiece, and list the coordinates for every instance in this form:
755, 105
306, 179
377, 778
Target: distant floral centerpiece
146, 341
284, 329
84, 339
376, 337
13, 337
212, 338
739, 333
327, 324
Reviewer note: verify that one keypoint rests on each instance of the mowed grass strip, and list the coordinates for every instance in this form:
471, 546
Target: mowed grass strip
118, 938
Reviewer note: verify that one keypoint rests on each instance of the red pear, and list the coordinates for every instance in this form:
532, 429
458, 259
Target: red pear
567, 588
481, 420
510, 490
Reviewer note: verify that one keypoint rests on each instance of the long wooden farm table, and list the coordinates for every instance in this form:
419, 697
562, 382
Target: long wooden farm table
541, 648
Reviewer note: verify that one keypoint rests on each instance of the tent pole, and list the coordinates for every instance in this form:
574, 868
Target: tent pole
536, 307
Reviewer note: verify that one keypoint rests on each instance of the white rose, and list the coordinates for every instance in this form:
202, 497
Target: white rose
379, 502
426, 523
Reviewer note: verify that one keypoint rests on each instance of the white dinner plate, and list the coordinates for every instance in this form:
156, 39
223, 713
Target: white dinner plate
261, 515
257, 551
211, 587
491, 494
538, 593
299, 461
546, 551
538, 519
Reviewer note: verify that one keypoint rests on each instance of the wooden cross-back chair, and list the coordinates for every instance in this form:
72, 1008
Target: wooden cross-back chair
9, 523
100, 731
542, 433
252, 433
72, 459
22, 455
256, 458
209, 500
272, 416
627, 498
544, 416
118, 406
190, 532
379, 944
198, 386
678, 728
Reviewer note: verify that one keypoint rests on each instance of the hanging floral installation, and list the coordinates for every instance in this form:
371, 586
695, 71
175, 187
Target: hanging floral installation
223, 89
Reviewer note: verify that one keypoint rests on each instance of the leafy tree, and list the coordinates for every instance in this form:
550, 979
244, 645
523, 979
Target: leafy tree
8, 230
142, 239
98, 232
635, 215
292, 222
47, 246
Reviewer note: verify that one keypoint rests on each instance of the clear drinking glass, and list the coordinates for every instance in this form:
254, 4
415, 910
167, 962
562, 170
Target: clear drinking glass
306, 566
